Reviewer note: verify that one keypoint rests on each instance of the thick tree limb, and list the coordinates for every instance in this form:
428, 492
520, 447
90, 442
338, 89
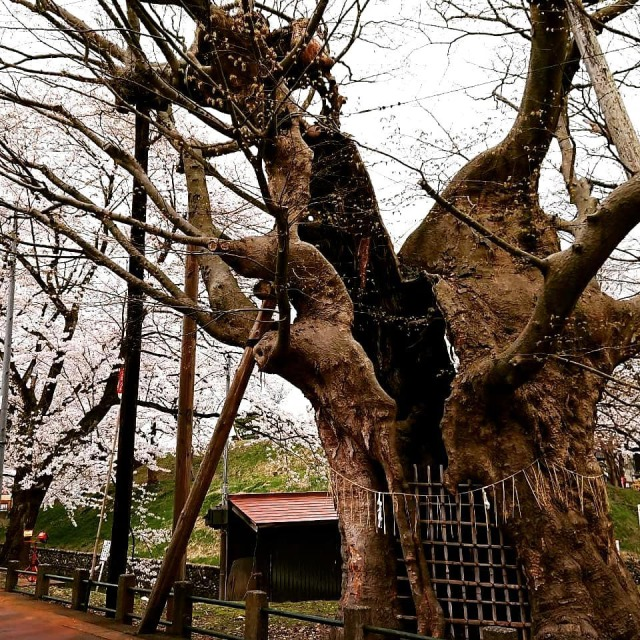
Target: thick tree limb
315, 288
578, 188
222, 288
518, 157
569, 273
335, 373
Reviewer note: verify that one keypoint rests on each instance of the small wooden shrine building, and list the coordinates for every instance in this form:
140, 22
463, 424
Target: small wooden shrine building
286, 544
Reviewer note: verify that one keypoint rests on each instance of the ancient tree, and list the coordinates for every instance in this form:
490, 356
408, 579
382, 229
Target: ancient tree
534, 332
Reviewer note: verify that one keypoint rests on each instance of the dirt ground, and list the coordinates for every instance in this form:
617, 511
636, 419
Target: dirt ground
279, 628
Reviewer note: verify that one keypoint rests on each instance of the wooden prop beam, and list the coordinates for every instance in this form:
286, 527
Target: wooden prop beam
186, 522
616, 117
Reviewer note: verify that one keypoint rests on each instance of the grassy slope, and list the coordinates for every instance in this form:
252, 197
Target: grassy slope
255, 466
624, 510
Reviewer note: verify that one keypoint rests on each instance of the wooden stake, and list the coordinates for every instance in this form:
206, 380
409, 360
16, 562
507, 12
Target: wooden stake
198, 493
80, 589
355, 619
256, 622
126, 598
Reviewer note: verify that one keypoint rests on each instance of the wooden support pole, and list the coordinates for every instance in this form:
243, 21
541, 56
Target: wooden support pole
198, 493
182, 609
498, 633
42, 581
80, 590
355, 619
184, 459
256, 621
616, 117
126, 598
11, 579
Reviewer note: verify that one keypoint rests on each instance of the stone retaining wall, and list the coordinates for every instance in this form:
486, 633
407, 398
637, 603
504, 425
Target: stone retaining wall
205, 578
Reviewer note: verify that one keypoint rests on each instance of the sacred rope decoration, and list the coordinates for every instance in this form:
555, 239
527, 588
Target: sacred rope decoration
558, 485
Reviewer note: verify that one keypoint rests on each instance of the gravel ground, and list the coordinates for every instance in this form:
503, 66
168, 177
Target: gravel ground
282, 631
279, 631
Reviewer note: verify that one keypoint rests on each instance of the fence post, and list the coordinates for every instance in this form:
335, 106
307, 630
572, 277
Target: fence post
42, 581
498, 633
182, 609
355, 619
125, 598
11, 579
256, 621
80, 589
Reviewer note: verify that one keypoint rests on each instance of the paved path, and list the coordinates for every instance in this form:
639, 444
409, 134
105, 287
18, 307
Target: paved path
24, 618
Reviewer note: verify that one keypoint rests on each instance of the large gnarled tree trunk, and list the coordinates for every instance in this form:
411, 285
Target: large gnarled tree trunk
509, 310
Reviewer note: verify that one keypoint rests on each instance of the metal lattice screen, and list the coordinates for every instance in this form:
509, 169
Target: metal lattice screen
474, 570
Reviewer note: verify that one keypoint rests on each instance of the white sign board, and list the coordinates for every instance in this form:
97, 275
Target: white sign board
106, 547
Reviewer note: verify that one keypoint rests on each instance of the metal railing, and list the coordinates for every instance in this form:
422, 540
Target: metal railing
357, 622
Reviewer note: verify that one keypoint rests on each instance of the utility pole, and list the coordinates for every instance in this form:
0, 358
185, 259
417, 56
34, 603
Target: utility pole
6, 360
184, 456
225, 499
131, 352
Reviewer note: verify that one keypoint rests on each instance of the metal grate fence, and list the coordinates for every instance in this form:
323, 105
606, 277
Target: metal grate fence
474, 569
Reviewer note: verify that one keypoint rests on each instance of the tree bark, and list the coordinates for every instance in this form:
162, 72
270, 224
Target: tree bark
547, 419
356, 420
24, 513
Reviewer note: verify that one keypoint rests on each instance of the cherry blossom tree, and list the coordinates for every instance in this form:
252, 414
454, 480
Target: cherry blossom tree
63, 382
65, 366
